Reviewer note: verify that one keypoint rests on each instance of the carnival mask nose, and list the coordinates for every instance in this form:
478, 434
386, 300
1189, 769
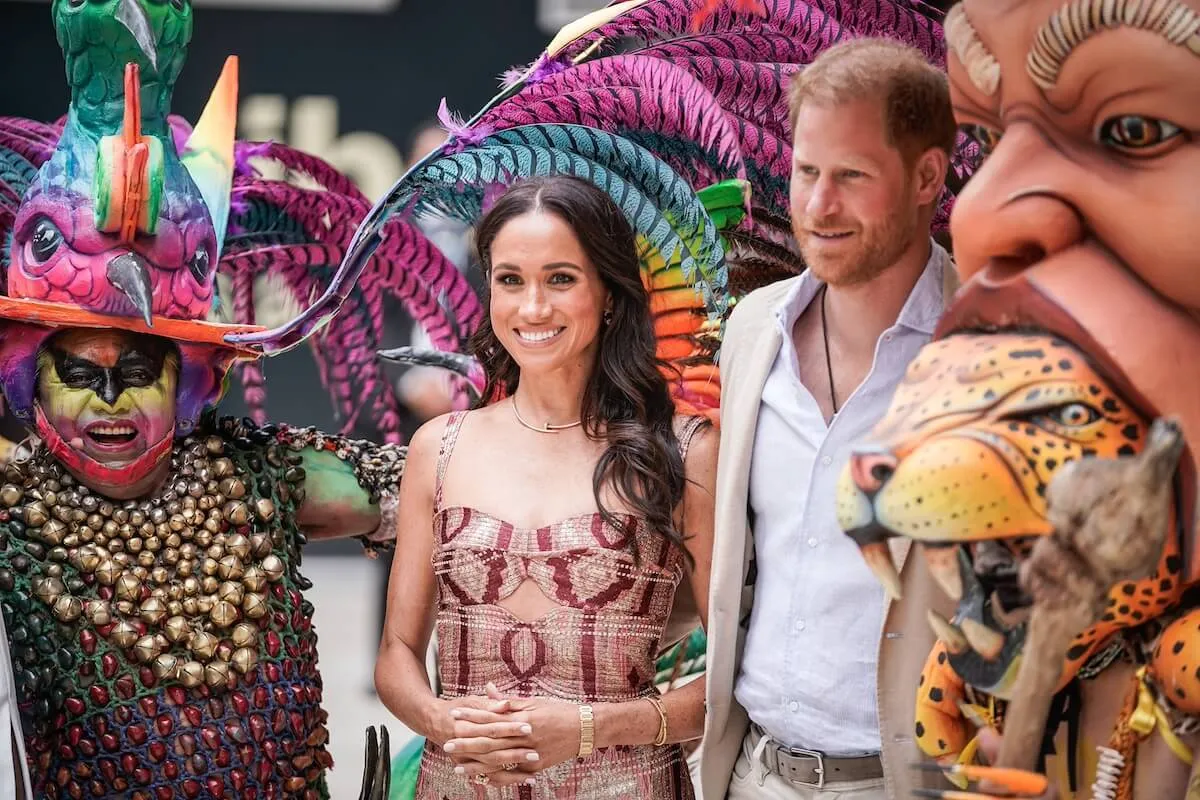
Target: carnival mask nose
128, 273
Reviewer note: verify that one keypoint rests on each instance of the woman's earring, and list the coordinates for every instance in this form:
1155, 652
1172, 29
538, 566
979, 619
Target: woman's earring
608, 316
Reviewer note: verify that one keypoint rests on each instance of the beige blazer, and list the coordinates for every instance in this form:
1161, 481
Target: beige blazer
748, 350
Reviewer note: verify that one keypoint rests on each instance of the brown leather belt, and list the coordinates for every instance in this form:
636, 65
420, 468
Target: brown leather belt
812, 767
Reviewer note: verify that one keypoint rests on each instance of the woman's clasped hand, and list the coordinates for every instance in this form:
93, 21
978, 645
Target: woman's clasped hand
510, 738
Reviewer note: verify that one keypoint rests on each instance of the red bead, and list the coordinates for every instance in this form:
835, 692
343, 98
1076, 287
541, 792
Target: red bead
148, 678
164, 793
194, 716
191, 788
261, 697
163, 724
158, 751
149, 706
136, 734
279, 720
177, 695
108, 768
222, 758
258, 727
99, 695
74, 734
273, 674
123, 715
186, 744
143, 775
110, 742
125, 687
238, 778
246, 754
87, 640
273, 643
128, 763
171, 771
108, 665
297, 722
241, 705
66, 753
216, 787
87, 748
210, 736
75, 706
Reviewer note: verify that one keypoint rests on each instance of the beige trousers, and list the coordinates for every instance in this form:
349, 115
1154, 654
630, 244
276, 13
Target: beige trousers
751, 781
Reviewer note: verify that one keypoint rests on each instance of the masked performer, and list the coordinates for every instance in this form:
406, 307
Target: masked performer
150, 552
1075, 330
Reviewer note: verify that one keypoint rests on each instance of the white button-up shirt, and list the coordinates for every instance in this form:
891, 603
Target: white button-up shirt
808, 674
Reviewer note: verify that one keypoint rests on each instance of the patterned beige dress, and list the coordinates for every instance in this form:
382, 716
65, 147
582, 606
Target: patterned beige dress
614, 586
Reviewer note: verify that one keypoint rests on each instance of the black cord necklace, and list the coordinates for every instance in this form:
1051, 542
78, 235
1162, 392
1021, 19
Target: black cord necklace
828, 361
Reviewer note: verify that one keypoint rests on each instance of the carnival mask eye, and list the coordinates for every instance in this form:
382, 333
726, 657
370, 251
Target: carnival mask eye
1137, 134
45, 240
198, 264
1070, 415
987, 138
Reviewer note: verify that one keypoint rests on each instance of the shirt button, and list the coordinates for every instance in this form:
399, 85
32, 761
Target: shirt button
826, 460
799, 624
812, 541
793, 706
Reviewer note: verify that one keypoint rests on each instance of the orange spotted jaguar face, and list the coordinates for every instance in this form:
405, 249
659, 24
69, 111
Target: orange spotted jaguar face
961, 462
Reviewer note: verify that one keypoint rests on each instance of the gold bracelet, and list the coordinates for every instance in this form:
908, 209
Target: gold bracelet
661, 739
587, 731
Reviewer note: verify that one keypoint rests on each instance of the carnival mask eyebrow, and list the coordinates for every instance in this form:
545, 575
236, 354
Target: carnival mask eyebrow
982, 67
1079, 20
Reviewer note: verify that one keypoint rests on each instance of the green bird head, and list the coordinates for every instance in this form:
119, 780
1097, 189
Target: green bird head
99, 37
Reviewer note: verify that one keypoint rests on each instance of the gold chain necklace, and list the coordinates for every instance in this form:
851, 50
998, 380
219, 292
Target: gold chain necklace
547, 428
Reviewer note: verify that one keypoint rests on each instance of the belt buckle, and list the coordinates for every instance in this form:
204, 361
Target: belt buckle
819, 770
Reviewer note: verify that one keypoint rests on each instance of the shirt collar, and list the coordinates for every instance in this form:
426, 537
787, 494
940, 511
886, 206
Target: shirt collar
921, 310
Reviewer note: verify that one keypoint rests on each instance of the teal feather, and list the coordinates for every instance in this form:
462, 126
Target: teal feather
453, 184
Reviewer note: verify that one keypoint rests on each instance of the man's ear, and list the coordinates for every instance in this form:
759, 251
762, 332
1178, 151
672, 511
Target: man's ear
930, 173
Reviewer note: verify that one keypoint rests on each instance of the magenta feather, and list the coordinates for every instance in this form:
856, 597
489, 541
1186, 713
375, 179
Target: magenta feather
682, 101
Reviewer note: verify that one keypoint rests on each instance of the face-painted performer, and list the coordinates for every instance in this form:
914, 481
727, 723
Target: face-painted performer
1074, 330
149, 552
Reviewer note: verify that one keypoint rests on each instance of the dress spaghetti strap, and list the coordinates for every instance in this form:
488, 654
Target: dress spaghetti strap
688, 432
449, 437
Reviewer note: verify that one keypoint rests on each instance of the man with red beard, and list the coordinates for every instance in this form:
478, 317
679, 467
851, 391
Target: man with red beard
808, 366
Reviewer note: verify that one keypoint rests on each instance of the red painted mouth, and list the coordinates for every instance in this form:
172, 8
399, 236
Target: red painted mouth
112, 434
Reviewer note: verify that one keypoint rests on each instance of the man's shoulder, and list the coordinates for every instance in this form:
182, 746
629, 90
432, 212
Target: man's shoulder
757, 307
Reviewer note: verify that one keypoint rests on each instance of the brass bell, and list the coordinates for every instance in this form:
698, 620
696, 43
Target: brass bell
68, 608
166, 666
124, 634
98, 612
153, 611
238, 545
177, 629
146, 649
231, 592
254, 605
128, 587
244, 659
231, 568
273, 568
203, 644
244, 634
223, 614
216, 673
191, 674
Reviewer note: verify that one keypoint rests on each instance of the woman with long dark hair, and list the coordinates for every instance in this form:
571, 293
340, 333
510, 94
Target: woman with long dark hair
546, 532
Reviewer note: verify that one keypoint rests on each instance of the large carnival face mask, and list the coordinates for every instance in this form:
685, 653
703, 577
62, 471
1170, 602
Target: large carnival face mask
1089, 113
106, 407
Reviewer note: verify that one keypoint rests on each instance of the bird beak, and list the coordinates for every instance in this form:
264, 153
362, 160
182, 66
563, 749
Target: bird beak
131, 14
128, 273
